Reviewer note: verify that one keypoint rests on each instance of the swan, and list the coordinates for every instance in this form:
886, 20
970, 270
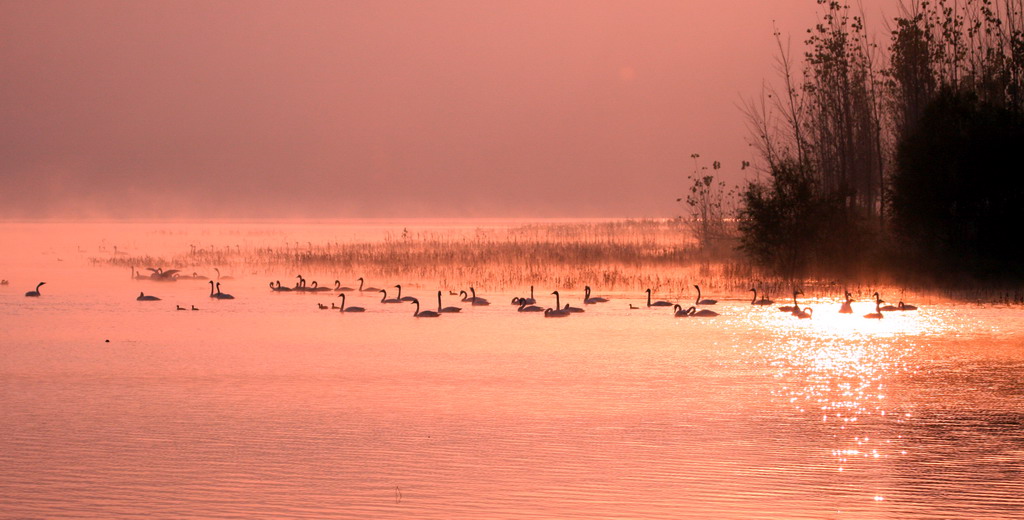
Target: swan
445, 309
558, 304
197, 276
278, 287
35, 292
423, 314
762, 301
846, 308
877, 315
680, 312
904, 307
349, 309
885, 307
476, 300
804, 314
703, 313
219, 295
524, 307
794, 307
315, 288
401, 298
366, 289
703, 302
385, 298
529, 301
587, 300
225, 277
143, 298
553, 313
338, 287
137, 275
660, 303
301, 284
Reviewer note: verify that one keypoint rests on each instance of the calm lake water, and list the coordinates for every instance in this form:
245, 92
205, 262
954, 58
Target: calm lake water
267, 407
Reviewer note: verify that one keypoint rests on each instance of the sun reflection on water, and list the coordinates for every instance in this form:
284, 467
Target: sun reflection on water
835, 369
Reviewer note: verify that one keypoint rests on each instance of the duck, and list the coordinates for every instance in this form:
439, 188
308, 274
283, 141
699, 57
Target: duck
36, 291
143, 298
180, 308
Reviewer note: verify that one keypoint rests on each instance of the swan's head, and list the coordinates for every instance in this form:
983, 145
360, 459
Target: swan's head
414, 300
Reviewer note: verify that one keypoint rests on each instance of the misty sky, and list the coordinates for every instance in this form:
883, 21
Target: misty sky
375, 108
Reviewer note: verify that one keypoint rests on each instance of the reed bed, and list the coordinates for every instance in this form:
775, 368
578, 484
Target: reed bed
627, 255
610, 256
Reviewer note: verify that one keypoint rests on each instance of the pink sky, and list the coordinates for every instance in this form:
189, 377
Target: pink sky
374, 109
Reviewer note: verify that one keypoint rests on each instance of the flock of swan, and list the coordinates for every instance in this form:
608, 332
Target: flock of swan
523, 303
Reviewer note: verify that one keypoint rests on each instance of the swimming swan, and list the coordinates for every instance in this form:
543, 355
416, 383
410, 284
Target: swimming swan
423, 314
349, 309
659, 303
703, 302
35, 292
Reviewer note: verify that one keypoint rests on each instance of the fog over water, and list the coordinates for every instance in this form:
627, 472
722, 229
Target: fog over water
364, 109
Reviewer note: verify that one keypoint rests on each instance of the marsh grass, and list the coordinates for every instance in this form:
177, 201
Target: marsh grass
611, 256
622, 255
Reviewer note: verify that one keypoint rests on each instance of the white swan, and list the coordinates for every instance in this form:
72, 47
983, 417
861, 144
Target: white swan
219, 295
366, 289
405, 298
877, 315
705, 301
846, 307
143, 298
385, 298
349, 309
555, 313
703, 313
423, 314
524, 307
567, 308
445, 309
587, 300
35, 292
794, 307
762, 301
660, 303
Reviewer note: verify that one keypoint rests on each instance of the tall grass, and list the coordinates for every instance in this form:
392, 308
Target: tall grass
623, 255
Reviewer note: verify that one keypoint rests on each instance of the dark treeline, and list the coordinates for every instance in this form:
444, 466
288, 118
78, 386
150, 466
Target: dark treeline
899, 159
